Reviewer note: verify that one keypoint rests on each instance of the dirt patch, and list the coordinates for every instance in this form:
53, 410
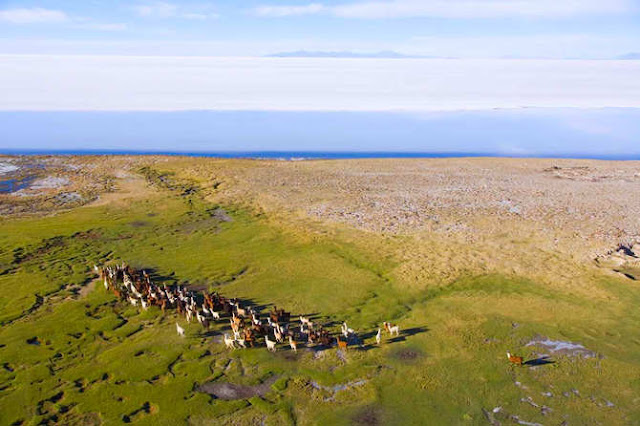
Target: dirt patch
138, 223
406, 354
88, 235
561, 347
84, 291
220, 214
126, 188
230, 391
367, 416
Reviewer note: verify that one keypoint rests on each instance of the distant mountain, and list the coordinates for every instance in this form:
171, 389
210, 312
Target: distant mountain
341, 54
630, 56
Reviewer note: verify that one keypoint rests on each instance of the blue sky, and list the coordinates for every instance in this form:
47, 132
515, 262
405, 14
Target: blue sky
450, 28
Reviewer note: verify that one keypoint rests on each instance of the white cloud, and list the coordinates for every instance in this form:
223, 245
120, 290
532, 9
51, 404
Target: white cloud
280, 11
43, 16
166, 10
32, 16
199, 16
466, 9
103, 27
158, 10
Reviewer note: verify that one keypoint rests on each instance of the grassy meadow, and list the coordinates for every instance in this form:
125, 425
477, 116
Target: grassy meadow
70, 353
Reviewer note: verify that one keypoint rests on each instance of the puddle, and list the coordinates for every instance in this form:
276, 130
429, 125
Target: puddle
19, 176
8, 186
333, 390
561, 347
34, 341
230, 391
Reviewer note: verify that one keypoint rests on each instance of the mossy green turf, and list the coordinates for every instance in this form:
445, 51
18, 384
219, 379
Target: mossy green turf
82, 357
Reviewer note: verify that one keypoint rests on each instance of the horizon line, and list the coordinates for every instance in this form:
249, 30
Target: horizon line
315, 154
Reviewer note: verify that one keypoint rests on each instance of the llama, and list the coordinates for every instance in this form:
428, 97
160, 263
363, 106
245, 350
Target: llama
229, 342
346, 331
342, 344
378, 337
305, 321
515, 360
278, 334
392, 329
293, 344
271, 344
180, 330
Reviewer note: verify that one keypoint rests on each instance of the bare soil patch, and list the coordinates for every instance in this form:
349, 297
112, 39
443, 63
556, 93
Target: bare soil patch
371, 416
406, 354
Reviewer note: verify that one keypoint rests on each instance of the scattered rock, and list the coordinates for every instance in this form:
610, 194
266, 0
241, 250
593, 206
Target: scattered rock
7, 168
50, 182
522, 422
490, 417
529, 401
68, 197
333, 390
561, 347
545, 410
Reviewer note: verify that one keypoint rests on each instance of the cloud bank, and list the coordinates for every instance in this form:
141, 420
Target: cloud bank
165, 10
113, 83
465, 9
32, 16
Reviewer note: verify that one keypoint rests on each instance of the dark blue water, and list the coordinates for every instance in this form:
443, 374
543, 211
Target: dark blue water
10, 185
603, 133
311, 155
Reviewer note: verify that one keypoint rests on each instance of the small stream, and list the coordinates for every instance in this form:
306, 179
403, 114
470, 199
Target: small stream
9, 185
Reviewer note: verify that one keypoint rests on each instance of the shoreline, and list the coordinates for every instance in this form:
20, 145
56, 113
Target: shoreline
309, 155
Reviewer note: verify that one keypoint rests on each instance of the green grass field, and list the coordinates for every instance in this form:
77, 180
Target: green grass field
72, 354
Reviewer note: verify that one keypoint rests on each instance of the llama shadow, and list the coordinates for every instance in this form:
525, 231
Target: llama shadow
413, 331
158, 278
312, 316
366, 348
544, 360
396, 339
407, 333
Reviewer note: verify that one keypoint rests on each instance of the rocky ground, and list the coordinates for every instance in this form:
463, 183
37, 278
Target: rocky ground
505, 208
